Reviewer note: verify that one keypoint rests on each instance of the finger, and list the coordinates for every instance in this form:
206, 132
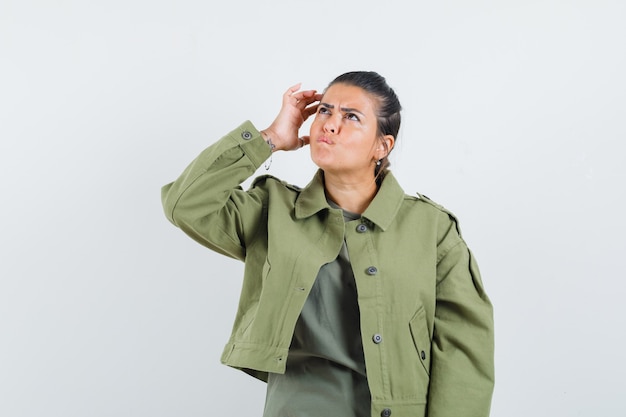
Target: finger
308, 104
314, 98
305, 140
308, 93
307, 96
293, 89
309, 111
290, 92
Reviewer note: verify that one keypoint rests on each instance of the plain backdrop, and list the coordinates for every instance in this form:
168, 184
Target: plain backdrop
514, 119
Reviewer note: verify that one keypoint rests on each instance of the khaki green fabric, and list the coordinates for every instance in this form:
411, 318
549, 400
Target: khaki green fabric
426, 321
325, 374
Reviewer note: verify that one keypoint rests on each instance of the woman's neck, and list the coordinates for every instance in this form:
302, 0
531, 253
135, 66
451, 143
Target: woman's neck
349, 194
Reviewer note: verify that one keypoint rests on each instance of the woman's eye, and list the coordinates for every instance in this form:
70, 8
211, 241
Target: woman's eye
352, 116
323, 110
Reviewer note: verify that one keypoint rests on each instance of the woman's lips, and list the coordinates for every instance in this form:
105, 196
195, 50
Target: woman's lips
324, 139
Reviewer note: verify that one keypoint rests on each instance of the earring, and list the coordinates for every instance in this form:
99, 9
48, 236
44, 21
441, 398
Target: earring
378, 162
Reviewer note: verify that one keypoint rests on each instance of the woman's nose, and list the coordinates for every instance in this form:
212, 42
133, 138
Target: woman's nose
330, 126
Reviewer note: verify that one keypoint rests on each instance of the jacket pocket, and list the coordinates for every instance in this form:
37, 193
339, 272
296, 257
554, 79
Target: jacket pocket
421, 340
250, 303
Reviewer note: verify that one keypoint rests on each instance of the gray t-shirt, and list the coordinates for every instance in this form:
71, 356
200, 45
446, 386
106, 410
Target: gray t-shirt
325, 375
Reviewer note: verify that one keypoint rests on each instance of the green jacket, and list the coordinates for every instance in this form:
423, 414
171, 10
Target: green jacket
426, 322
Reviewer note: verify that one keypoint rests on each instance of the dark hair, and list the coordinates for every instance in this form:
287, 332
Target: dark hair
388, 104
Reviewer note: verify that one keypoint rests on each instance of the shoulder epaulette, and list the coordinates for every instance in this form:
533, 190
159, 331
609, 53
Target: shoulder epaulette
262, 178
440, 207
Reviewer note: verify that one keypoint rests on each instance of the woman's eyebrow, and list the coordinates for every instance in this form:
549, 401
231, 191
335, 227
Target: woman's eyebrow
343, 109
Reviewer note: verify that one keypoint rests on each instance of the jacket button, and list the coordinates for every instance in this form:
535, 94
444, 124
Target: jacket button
386, 412
423, 355
361, 228
371, 270
377, 338
246, 135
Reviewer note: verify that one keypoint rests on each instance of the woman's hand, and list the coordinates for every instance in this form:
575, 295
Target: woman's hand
296, 108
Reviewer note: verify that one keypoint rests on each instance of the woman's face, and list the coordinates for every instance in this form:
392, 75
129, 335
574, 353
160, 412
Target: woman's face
343, 137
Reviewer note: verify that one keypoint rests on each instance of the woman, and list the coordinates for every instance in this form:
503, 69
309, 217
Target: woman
357, 300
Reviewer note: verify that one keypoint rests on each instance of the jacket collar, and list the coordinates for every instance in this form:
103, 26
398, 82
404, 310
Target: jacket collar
381, 210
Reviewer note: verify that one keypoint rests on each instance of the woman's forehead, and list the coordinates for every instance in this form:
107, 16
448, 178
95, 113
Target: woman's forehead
344, 95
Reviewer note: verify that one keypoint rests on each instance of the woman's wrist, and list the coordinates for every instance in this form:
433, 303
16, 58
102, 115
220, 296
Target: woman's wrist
269, 139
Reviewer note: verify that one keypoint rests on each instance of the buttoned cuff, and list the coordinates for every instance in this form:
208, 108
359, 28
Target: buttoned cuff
251, 142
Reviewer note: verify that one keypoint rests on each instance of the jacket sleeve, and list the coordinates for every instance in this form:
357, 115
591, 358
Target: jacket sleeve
207, 201
462, 362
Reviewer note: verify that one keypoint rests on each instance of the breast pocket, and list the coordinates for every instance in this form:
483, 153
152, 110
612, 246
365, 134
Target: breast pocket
421, 340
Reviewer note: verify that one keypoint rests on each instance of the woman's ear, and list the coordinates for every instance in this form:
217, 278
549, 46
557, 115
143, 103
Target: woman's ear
385, 146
